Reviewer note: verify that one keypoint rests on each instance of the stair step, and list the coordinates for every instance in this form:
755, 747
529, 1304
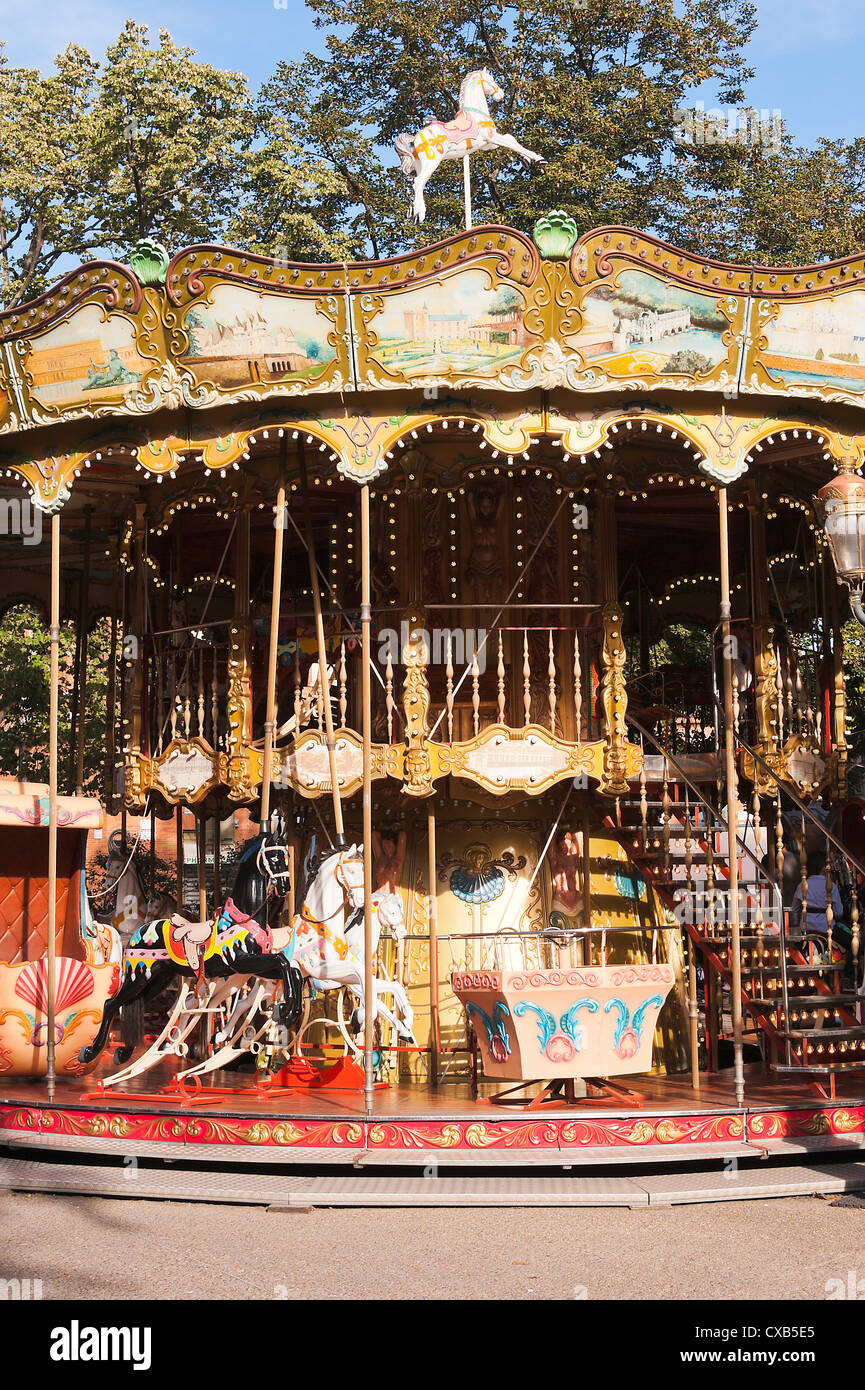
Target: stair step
826, 1034
818, 1068
808, 1001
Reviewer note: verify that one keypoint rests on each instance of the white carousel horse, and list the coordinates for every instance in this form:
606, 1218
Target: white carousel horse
329, 951
473, 128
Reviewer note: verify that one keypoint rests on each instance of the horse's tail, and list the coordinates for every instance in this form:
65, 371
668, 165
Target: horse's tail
132, 1022
404, 146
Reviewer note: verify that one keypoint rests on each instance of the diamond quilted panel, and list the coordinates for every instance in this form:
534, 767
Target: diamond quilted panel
24, 893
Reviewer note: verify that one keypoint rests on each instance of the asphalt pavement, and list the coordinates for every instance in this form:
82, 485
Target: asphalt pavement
98, 1248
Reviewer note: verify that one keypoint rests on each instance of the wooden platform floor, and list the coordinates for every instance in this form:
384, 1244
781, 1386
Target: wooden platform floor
420, 1124
234, 1094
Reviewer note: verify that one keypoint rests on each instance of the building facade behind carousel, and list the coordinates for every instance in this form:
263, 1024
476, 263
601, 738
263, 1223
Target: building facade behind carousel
572, 453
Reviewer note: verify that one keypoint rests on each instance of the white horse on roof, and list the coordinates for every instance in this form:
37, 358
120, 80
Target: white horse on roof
473, 128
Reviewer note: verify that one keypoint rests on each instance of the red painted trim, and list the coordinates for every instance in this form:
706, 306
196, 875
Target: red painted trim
394, 1135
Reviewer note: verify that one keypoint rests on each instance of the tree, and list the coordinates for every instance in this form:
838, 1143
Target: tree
169, 137
25, 690
91, 160
46, 182
593, 87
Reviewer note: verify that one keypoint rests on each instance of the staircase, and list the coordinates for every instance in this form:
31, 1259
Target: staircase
802, 1010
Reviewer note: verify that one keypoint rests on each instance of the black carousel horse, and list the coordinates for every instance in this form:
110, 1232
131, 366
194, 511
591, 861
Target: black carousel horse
238, 942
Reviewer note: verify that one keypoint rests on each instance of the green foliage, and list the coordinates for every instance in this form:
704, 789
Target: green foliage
854, 676
25, 691
151, 142
682, 644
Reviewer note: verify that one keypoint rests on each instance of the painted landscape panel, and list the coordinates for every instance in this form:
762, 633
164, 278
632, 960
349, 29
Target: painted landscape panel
640, 325
818, 343
89, 355
239, 335
458, 325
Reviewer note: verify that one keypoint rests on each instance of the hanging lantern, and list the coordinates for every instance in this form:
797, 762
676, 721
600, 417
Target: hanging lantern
841, 508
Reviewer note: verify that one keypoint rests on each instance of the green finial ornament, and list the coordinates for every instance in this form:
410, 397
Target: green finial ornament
555, 235
149, 260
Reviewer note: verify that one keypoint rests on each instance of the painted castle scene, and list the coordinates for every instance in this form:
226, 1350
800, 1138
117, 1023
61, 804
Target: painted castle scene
819, 344
458, 325
87, 355
640, 325
240, 336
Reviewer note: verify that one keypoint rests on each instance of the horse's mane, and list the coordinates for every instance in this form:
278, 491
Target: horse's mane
475, 72
314, 867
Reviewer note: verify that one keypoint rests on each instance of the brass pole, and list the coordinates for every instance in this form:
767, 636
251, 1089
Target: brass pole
201, 845
587, 887
84, 595
273, 649
179, 856
366, 696
432, 900
217, 852
111, 698
322, 653
732, 799
54, 637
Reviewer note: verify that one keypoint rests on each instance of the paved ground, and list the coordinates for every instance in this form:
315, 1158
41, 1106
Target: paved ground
94, 1248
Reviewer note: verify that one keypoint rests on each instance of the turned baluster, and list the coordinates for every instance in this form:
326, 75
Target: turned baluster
803, 872
578, 689
788, 686
476, 696
830, 915
214, 706
343, 685
298, 702
500, 671
551, 672
800, 706
201, 693
710, 878
449, 673
527, 675
172, 699
779, 699
390, 703
644, 806
665, 811
854, 927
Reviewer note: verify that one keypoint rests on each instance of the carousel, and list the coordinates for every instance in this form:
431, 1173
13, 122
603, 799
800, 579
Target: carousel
492, 595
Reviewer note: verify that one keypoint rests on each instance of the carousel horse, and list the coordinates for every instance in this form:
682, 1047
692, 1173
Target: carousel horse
246, 1027
473, 128
240, 941
327, 948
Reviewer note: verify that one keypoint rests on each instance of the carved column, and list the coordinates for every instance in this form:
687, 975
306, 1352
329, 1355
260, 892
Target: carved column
239, 695
614, 701
765, 660
839, 703
415, 700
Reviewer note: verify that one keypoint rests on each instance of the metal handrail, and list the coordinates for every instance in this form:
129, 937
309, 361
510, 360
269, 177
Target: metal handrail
714, 811
735, 837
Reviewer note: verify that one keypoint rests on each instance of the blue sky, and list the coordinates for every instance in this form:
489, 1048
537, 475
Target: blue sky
807, 55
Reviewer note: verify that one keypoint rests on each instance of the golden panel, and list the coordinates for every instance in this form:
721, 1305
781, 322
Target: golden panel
807, 335
649, 315
453, 315
247, 327
91, 347
304, 764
